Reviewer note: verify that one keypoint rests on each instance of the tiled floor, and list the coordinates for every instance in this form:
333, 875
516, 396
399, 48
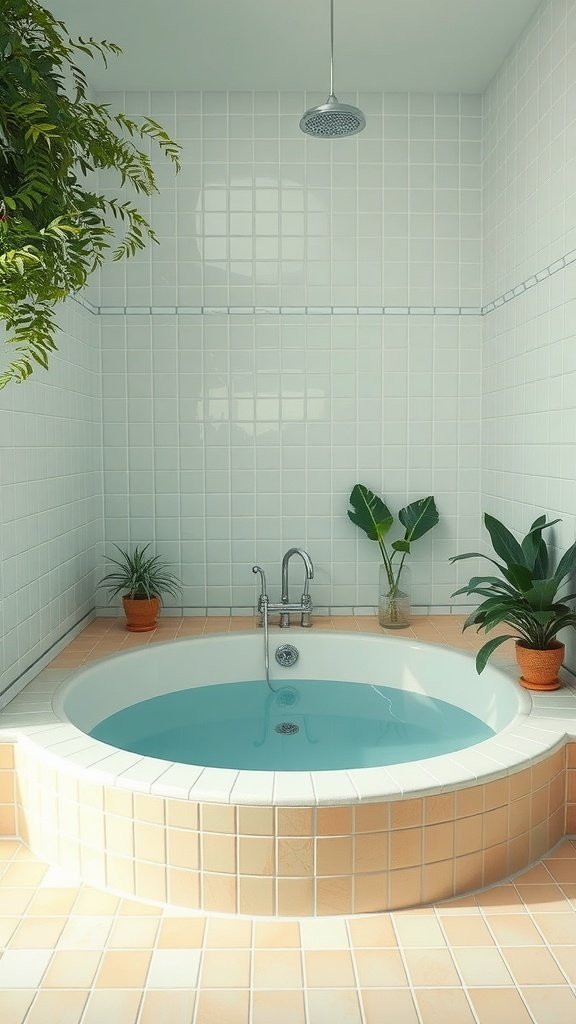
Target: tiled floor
74, 955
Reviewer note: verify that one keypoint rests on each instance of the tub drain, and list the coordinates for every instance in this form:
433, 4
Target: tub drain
287, 728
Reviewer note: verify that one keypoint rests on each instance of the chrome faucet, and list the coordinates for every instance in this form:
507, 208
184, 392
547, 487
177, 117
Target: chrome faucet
305, 606
285, 606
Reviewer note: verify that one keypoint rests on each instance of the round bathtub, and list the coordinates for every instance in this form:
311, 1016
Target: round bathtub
348, 702
305, 841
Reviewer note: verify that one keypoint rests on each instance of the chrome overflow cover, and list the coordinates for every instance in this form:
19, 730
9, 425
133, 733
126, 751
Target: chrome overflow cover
286, 655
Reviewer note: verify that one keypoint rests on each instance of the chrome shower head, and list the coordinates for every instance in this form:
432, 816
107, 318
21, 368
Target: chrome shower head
332, 120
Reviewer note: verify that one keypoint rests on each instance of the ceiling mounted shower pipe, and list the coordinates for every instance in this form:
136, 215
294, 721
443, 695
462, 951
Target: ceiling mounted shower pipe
332, 120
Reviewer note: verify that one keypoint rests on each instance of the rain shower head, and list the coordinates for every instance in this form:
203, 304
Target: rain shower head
332, 120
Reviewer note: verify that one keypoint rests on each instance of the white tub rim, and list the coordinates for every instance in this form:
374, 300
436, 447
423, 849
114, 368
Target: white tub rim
526, 740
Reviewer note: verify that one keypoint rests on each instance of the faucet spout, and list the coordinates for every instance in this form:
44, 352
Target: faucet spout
306, 603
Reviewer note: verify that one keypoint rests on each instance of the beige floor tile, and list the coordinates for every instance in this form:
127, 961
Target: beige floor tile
558, 929
375, 931
52, 902
278, 1007
324, 933
466, 930
57, 1007
502, 899
174, 968
440, 1006
133, 933
14, 901
327, 1007
544, 899
221, 970
8, 847
181, 933
277, 968
134, 908
537, 875
551, 1005
23, 873
429, 968
224, 1007
535, 966
168, 1007
418, 930
379, 967
94, 903
85, 933
14, 1005
23, 968
388, 1005
226, 933
38, 933
515, 930
328, 968
112, 1007
499, 1006
566, 957
276, 934
123, 969
8, 926
482, 966
72, 969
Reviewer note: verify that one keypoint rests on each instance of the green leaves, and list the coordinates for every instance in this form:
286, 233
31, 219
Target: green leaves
369, 513
55, 231
419, 518
527, 598
139, 576
374, 517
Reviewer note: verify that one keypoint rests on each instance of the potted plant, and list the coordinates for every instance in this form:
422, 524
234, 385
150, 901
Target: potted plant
141, 579
55, 224
526, 599
373, 516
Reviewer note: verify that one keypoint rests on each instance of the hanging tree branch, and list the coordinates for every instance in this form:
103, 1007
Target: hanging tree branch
54, 230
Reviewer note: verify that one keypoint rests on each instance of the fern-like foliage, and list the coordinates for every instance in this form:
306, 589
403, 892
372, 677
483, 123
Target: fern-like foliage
54, 230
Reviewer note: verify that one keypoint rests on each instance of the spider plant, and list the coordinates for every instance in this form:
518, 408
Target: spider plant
139, 576
525, 596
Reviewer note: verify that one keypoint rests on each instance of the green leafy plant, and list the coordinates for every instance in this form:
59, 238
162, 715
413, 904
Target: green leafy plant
374, 517
54, 229
139, 576
526, 597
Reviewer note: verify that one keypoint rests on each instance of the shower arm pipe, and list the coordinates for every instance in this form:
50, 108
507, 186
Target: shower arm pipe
263, 609
332, 50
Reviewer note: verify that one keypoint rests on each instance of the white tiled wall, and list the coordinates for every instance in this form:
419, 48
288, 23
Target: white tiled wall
51, 506
529, 355
314, 323
228, 439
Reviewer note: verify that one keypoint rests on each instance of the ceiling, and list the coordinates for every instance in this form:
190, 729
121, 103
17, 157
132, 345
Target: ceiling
380, 45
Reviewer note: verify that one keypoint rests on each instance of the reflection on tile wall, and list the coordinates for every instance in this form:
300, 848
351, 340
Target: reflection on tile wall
230, 436
262, 215
227, 439
51, 509
529, 357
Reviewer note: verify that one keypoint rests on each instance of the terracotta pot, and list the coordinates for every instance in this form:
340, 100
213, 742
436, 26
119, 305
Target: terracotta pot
540, 668
141, 613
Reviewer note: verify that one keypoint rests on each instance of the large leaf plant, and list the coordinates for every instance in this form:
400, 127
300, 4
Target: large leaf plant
525, 595
373, 516
55, 227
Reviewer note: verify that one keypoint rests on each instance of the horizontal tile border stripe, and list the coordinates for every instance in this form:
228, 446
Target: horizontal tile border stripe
501, 300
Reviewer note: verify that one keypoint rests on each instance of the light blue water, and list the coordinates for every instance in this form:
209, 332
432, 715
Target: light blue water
330, 725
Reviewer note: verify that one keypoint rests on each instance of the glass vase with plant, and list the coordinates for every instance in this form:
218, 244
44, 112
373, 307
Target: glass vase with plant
373, 516
525, 597
142, 580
